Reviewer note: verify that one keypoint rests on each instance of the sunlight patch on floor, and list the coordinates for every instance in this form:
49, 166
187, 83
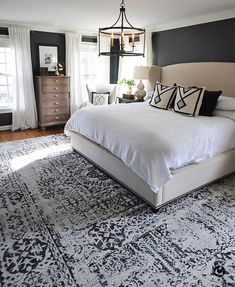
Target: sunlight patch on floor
21, 161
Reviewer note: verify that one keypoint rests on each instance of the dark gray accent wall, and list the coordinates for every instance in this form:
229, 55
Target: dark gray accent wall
38, 38
5, 119
209, 42
114, 63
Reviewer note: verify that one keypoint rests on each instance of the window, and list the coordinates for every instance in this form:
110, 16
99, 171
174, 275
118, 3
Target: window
94, 69
127, 64
88, 65
88, 61
6, 87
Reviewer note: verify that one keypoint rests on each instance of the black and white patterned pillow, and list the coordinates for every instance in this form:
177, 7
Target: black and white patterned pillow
100, 98
188, 101
163, 96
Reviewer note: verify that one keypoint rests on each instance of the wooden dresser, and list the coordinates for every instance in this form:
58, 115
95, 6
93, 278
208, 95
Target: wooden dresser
53, 100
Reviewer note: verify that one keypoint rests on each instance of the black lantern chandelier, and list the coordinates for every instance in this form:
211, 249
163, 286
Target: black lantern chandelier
123, 37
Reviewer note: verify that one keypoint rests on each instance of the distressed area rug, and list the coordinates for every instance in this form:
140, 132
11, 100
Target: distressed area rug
63, 222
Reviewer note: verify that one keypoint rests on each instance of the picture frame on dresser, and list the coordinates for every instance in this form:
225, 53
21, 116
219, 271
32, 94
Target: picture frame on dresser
53, 100
48, 57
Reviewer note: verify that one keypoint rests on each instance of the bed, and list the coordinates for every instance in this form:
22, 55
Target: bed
158, 188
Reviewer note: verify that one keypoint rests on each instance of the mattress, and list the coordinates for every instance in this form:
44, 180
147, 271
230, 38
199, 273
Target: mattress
153, 142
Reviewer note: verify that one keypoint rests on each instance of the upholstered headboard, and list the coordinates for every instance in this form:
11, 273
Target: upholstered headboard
212, 75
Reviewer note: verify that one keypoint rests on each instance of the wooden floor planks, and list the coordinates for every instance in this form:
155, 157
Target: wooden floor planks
6, 136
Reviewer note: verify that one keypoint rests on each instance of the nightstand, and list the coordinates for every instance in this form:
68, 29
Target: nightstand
127, 101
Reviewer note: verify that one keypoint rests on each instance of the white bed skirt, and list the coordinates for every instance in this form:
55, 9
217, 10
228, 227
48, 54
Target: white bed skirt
184, 179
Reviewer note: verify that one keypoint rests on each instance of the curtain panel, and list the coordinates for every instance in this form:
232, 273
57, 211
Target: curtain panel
73, 49
24, 111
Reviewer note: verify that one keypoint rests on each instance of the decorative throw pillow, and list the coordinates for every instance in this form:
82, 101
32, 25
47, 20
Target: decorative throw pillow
163, 96
100, 99
188, 100
209, 101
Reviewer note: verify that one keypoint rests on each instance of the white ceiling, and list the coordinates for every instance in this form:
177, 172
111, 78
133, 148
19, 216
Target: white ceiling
92, 14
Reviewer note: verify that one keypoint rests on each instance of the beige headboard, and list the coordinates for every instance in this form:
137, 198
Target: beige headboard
212, 75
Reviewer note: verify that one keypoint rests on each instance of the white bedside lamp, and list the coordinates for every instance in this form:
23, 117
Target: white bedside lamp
141, 73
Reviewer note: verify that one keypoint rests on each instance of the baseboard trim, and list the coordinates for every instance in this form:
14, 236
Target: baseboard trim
5, 128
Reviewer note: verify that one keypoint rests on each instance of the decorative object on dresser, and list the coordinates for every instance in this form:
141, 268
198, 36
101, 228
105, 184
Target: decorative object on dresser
59, 69
53, 100
141, 73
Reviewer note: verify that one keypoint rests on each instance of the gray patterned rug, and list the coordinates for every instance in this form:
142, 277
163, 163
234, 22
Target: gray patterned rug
64, 222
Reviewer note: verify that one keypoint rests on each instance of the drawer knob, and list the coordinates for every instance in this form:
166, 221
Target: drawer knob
57, 118
56, 111
56, 88
56, 103
56, 96
55, 80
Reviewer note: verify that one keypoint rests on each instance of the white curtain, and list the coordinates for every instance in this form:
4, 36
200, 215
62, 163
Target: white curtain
148, 49
148, 55
24, 111
73, 48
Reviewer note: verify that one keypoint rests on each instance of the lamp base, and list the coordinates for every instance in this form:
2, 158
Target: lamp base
140, 93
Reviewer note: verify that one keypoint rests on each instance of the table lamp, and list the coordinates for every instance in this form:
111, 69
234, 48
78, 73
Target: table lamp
140, 73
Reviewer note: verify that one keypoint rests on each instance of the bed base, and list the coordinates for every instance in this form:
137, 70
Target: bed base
184, 179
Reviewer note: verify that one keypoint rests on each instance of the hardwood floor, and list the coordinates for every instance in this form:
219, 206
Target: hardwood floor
6, 136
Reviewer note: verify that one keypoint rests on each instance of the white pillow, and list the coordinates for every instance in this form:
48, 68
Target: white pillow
226, 114
225, 103
148, 96
100, 99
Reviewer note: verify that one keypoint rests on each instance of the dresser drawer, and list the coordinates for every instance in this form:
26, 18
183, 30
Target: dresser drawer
55, 96
51, 81
55, 118
55, 88
55, 111
55, 104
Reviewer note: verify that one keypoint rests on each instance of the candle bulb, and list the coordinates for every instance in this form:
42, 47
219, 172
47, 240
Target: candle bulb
112, 39
122, 41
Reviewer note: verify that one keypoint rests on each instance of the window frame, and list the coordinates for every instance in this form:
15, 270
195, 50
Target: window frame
5, 109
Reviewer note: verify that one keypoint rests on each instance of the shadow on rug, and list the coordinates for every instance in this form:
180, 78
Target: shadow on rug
63, 222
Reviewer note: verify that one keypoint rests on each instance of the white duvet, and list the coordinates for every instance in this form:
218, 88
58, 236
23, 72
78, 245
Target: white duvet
152, 141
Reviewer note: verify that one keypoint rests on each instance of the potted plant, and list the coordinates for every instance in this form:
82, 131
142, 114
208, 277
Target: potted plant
130, 84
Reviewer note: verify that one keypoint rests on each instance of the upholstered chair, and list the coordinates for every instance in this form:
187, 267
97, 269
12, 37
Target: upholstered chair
102, 89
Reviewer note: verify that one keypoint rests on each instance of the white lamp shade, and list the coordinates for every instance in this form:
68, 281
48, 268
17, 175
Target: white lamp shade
141, 72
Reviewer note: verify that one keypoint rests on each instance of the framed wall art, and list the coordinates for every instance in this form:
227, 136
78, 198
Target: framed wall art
48, 57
